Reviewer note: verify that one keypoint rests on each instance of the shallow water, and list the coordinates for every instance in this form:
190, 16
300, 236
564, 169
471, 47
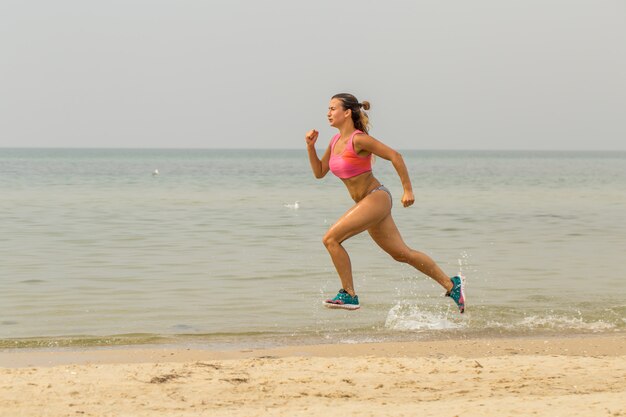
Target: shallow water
214, 250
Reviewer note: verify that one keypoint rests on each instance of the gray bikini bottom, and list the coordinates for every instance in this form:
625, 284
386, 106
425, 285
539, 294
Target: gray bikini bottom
383, 188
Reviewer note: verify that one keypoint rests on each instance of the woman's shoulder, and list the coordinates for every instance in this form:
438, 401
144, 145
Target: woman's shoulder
360, 141
359, 136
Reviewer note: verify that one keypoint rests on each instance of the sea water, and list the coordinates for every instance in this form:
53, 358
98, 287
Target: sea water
223, 247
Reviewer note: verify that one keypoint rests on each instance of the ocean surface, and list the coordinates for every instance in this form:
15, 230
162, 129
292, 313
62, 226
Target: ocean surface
224, 248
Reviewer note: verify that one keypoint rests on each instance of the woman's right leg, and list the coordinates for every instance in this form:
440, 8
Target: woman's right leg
387, 236
362, 216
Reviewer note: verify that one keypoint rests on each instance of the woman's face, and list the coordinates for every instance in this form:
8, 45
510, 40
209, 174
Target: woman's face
337, 115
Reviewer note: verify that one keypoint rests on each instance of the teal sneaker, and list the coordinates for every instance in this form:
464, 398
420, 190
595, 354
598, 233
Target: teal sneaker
343, 300
457, 293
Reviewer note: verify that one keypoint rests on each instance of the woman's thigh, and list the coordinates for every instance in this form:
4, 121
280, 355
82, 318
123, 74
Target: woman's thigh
362, 216
386, 235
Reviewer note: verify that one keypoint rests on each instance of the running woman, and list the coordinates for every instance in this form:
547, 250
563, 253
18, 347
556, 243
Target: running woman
349, 157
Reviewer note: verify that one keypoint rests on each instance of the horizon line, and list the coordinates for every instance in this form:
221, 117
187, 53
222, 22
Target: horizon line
298, 149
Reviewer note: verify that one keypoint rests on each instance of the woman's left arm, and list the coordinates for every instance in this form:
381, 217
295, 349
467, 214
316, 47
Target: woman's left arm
367, 143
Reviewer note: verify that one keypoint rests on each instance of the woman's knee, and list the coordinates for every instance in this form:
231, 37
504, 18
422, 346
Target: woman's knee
400, 256
329, 241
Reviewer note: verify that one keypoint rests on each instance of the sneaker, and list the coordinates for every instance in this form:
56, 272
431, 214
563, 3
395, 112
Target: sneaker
343, 300
457, 293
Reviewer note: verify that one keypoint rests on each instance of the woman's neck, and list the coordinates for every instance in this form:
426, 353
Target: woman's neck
346, 130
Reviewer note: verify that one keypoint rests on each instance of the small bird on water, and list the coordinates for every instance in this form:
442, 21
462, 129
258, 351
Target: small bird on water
294, 206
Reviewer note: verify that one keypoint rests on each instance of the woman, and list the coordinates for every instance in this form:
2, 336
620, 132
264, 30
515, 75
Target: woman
349, 156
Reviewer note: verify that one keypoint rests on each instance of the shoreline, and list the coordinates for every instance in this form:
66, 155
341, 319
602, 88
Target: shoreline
565, 345
574, 376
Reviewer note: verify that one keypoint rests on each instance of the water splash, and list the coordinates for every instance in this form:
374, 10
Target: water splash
463, 262
407, 317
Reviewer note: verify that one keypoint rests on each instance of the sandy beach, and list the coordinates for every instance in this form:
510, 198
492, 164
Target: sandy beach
575, 376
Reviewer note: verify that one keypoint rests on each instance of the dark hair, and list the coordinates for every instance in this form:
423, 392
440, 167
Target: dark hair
359, 117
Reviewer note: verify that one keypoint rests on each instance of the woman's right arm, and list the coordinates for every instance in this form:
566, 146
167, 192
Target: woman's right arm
320, 167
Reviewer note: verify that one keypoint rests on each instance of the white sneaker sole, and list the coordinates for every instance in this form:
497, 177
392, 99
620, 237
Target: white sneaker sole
341, 306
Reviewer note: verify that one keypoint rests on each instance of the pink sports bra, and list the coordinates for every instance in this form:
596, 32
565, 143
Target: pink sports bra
349, 164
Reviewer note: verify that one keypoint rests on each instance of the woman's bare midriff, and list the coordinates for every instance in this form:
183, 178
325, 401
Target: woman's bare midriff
361, 185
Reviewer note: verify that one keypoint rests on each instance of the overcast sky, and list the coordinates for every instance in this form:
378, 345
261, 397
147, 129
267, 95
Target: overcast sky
480, 74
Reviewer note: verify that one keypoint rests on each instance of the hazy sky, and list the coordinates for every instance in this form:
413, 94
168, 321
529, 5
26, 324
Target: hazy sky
480, 74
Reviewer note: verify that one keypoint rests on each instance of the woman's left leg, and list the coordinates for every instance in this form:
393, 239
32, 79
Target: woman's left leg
387, 236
